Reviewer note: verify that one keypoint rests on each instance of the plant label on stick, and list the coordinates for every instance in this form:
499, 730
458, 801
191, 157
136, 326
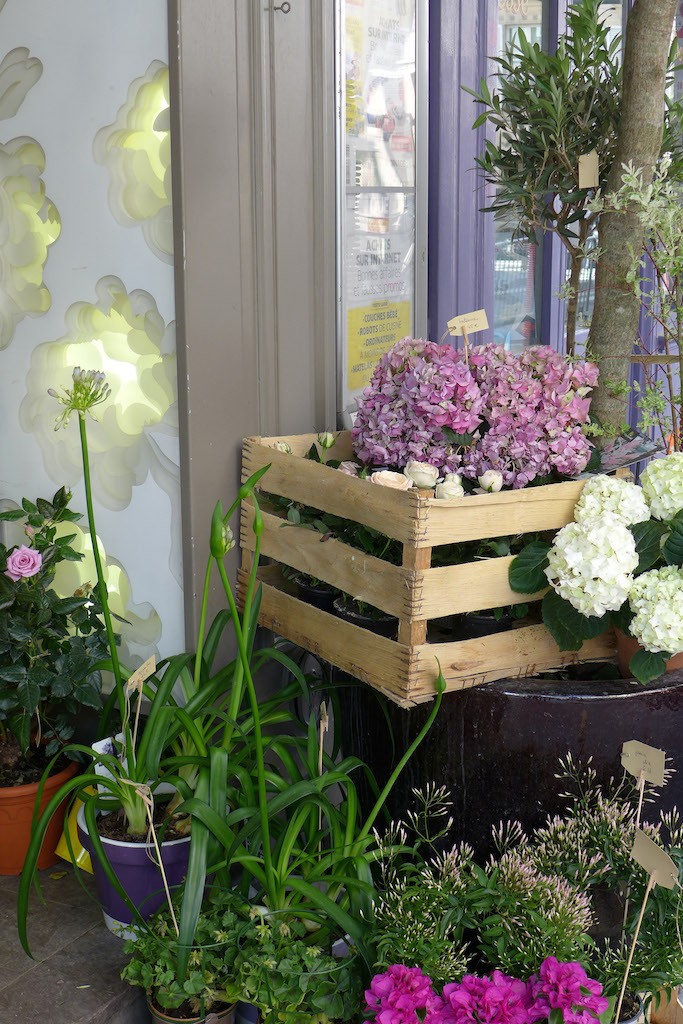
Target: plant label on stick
639, 759
138, 677
654, 860
589, 171
468, 323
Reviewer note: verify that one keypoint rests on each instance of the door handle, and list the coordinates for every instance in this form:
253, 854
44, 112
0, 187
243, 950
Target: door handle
285, 7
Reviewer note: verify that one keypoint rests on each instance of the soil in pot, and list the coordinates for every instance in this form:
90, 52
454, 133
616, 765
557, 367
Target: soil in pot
383, 625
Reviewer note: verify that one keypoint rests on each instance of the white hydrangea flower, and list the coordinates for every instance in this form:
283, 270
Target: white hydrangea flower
662, 483
624, 500
656, 598
591, 564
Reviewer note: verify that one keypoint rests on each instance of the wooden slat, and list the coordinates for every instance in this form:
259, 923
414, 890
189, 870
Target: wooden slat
513, 654
301, 443
364, 577
412, 629
473, 586
364, 655
499, 515
398, 514
408, 674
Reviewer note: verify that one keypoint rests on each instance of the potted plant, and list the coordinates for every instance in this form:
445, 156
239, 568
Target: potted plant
619, 562
51, 649
209, 984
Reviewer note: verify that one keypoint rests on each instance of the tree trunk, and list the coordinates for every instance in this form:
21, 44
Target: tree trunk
617, 309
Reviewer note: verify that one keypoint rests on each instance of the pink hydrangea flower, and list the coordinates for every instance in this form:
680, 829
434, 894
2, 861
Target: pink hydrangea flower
525, 411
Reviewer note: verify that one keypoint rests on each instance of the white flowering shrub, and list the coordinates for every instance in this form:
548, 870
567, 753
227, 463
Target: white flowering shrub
656, 598
591, 564
662, 483
620, 498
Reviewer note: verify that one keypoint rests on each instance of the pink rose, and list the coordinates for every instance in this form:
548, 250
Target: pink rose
23, 562
386, 478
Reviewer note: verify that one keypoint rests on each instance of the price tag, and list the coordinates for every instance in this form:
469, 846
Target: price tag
589, 171
468, 323
654, 860
640, 759
138, 677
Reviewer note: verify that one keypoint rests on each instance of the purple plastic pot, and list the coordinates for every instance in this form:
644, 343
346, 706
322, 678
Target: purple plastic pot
134, 865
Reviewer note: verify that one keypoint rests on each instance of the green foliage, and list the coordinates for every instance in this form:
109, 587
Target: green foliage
648, 537
527, 572
50, 647
568, 627
210, 978
292, 979
648, 665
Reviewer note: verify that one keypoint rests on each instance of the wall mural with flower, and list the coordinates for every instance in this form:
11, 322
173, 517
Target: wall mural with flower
85, 155
136, 150
29, 221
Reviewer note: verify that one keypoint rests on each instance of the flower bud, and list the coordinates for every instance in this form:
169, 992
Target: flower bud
326, 440
282, 446
491, 481
423, 474
349, 468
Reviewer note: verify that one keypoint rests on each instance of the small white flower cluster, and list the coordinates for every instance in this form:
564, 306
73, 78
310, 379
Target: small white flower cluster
656, 597
622, 499
662, 483
591, 564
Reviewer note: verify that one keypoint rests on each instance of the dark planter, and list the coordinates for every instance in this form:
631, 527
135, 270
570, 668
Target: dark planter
319, 596
496, 747
159, 1016
476, 624
384, 625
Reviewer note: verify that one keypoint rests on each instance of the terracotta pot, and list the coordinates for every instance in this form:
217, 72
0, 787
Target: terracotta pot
17, 804
226, 1016
627, 647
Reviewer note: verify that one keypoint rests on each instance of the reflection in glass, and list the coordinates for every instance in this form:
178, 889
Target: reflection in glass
514, 312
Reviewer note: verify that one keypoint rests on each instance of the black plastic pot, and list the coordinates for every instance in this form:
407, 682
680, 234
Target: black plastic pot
319, 596
497, 746
476, 624
384, 625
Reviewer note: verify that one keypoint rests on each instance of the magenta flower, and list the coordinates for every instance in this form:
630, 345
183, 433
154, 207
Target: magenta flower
23, 562
498, 999
566, 987
403, 995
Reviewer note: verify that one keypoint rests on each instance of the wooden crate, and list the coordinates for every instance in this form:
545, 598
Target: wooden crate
415, 592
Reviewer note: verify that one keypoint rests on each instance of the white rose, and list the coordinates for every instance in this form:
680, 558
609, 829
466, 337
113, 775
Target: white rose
450, 488
491, 481
282, 446
386, 478
349, 468
421, 473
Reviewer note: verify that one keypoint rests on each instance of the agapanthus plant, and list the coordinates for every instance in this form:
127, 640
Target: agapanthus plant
619, 564
520, 415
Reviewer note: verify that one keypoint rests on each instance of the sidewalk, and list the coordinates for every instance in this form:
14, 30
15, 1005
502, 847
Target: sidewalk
75, 977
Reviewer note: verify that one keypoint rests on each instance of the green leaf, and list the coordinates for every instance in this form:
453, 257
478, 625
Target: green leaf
13, 673
648, 665
12, 515
28, 694
312, 453
648, 538
527, 572
622, 618
672, 549
568, 627
459, 440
